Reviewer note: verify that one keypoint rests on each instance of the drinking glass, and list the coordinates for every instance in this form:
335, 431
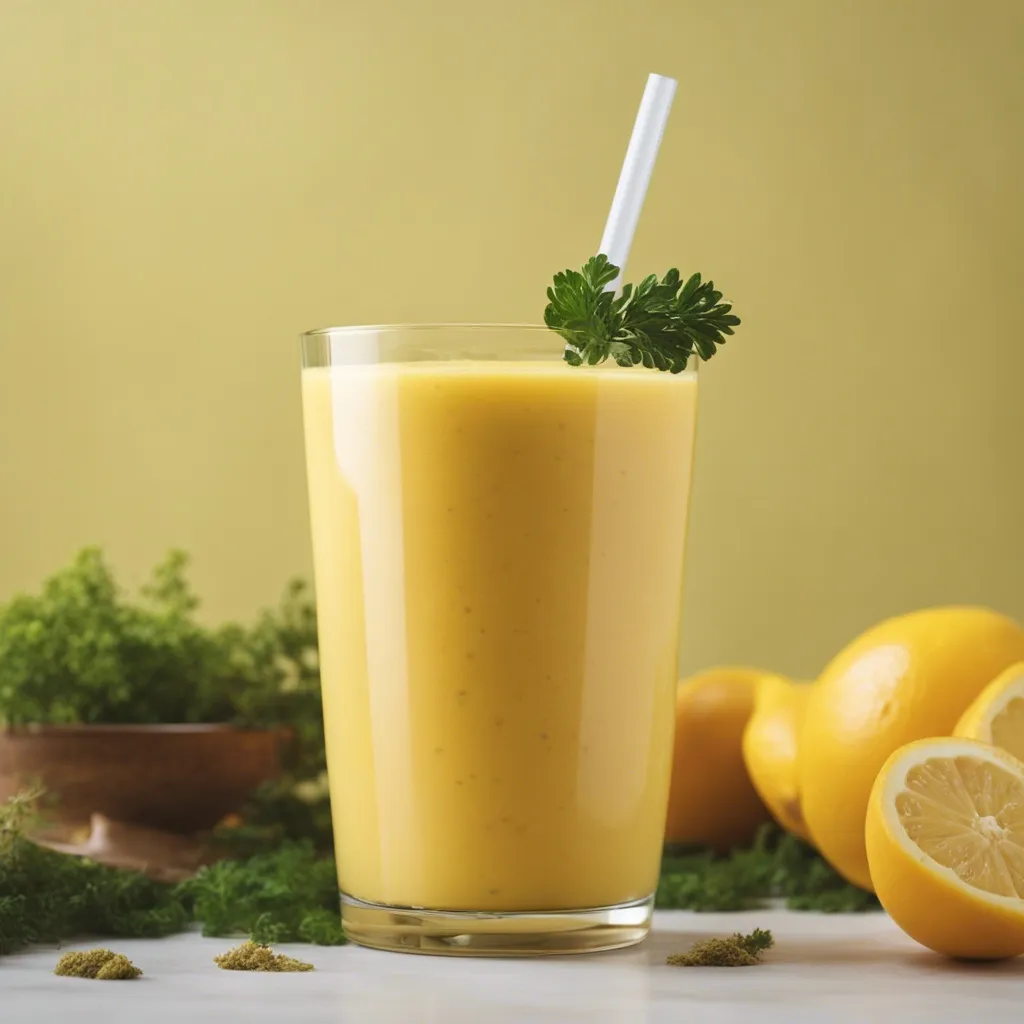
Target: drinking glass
498, 542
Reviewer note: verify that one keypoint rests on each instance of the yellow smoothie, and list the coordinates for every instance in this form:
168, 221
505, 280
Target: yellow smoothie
498, 552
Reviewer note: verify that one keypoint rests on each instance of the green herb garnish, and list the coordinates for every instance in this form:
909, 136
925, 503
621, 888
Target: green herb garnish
48, 897
778, 865
287, 895
736, 951
660, 324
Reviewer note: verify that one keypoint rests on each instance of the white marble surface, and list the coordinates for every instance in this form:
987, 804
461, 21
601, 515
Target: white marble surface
831, 970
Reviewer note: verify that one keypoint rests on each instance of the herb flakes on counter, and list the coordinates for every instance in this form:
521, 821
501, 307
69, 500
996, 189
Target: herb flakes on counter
736, 951
98, 964
254, 956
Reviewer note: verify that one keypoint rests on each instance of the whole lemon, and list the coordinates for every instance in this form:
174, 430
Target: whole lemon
770, 748
906, 679
712, 801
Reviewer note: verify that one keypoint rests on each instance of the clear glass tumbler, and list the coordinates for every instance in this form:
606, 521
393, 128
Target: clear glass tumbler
498, 542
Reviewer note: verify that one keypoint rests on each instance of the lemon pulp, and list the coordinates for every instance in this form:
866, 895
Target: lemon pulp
968, 816
1008, 727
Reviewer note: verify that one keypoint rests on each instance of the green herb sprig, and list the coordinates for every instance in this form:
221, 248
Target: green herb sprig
777, 866
49, 897
660, 324
289, 894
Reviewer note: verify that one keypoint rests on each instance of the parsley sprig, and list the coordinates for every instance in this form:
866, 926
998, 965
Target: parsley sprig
777, 866
660, 324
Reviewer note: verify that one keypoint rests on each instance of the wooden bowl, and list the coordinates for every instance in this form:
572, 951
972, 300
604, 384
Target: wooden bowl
178, 778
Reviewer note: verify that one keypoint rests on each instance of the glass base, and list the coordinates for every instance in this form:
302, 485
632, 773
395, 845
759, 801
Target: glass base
463, 933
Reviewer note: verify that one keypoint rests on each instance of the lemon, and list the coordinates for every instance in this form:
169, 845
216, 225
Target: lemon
712, 801
945, 842
770, 748
997, 714
905, 679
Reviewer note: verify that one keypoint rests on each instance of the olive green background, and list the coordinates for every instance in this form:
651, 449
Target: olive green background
186, 184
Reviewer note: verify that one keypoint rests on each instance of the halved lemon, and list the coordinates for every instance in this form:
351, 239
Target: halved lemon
945, 845
997, 713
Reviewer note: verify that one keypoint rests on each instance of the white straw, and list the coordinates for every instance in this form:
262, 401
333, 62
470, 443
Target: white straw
636, 172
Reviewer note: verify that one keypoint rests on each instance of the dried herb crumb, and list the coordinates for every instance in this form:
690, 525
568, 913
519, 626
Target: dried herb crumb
736, 951
253, 956
98, 964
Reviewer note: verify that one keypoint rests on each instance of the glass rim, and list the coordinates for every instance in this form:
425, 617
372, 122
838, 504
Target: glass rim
327, 332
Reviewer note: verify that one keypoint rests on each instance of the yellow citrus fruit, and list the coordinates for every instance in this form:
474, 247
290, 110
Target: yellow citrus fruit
770, 748
905, 679
712, 801
997, 714
945, 842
